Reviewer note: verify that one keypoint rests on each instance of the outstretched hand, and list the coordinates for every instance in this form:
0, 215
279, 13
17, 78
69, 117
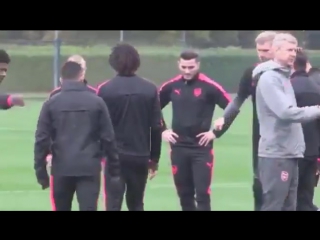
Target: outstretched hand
17, 100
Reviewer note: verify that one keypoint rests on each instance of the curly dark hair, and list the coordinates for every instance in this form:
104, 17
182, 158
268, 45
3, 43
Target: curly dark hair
124, 59
4, 57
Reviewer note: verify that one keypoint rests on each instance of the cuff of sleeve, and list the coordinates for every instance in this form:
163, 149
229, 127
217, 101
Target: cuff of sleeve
163, 128
9, 100
217, 133
154, 160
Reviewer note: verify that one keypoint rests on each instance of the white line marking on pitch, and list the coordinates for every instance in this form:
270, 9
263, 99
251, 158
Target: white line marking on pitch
149, 186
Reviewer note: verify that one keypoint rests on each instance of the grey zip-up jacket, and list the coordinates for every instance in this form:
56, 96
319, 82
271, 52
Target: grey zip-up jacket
280, 119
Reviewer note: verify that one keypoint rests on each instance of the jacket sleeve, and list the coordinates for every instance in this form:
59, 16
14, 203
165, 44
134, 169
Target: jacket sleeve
5, 101
42, 138
165, 98
156, 129
244, 91
220, 97
278, 102
107, 139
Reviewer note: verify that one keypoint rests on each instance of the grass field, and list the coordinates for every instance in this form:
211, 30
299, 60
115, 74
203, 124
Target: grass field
231, 189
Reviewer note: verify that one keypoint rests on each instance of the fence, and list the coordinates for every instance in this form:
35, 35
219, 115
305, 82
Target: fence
36, 63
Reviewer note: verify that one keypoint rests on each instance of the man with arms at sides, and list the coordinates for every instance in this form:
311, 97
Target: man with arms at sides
282, 143
80, 60
135, 111
307, 93
246, 89
74, 123
194, 97
7, 101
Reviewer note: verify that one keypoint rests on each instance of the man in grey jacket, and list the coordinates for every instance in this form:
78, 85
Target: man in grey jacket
247, 88
282, 142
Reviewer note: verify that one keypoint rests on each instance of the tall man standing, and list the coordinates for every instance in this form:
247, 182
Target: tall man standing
307, 93
194, 97
80, 60
74, 123
281, 144
314, 76
246, 89
135, 111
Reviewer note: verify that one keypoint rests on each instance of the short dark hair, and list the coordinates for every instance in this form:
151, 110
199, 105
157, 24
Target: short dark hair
70, 70
189, 55
124, 59
301, 61
4, 57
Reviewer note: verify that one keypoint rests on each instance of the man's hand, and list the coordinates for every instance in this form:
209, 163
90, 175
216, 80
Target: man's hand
43, 178
205, 138
153, 169
218, 124
17, 100
169, 136
49, 160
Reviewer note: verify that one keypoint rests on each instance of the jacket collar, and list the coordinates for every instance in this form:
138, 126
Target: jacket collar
71, 85
299, 73
190, 81
313, 70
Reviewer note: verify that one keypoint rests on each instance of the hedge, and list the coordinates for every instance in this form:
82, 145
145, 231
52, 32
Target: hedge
31, 68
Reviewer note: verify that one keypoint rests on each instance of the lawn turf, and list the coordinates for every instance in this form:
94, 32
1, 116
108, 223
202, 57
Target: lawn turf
231, 189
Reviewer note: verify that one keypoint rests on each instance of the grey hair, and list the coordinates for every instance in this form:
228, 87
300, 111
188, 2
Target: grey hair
78, 59
266, 36
280, 38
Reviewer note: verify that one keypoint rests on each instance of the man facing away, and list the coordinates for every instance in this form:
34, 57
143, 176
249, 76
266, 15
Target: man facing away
135, 111
281, 144
74, 123
80, 60
314, 75
307, 93
194, 97
246, 89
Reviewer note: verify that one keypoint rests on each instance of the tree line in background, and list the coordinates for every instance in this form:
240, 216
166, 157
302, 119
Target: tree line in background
200, 39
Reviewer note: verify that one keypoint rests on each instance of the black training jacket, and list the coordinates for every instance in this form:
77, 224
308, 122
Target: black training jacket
135, 111
247, 87
307, 93
193, 104
75, 123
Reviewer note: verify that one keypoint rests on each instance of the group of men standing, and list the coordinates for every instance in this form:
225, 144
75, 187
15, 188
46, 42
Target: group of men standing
118, 129
122, 121
79, 127
286, 97
128, 125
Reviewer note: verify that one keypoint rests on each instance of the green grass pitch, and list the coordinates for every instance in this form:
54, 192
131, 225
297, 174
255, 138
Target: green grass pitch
231, 188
